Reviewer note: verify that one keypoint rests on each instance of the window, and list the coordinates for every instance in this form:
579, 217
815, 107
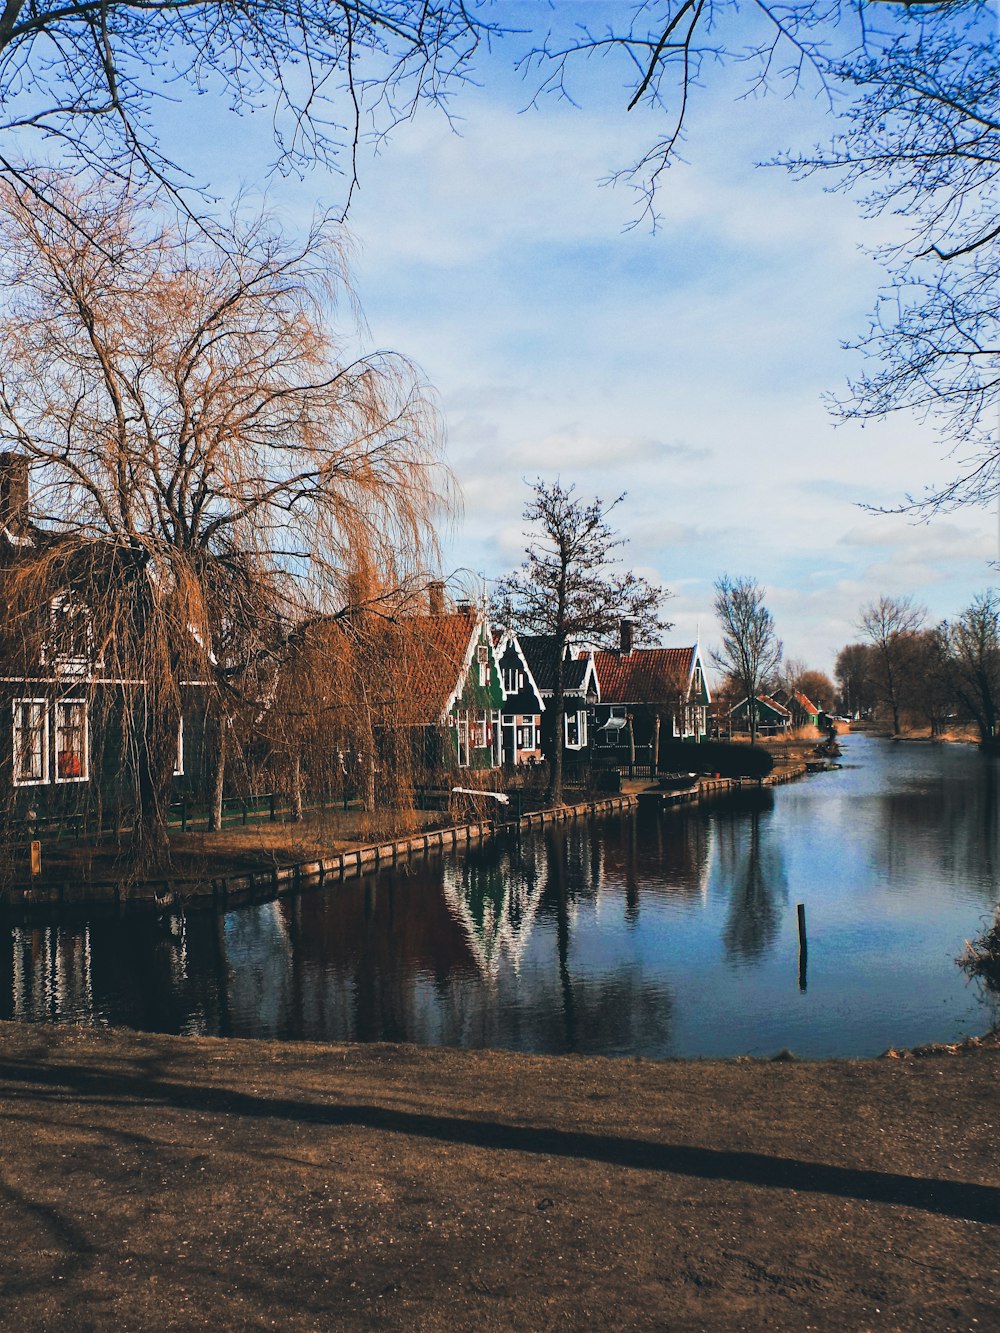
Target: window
484, 732
612, 731
71, 741
462, 727
513, 680
70, 646
576, 729
483, 658
526, 733
31, 742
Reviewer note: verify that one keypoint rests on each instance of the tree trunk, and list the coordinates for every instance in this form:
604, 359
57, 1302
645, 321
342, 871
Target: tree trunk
559, 726
296, 793
157, 758
218, 781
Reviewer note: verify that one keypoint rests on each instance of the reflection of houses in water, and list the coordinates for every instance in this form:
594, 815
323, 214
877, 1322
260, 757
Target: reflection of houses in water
495, 899
50, 974
666, 854
258, 957
111, 971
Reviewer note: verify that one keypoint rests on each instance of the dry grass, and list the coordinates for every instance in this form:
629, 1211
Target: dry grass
170, 1183
239, 849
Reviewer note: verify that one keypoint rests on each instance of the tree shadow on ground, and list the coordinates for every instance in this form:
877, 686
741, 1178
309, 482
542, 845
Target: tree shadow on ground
950, 1198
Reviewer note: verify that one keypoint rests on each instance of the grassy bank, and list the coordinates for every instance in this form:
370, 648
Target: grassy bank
156, 1182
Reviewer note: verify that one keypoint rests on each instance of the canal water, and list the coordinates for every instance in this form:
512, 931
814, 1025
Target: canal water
668, 934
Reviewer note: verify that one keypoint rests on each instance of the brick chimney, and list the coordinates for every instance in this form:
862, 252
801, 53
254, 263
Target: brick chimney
435, 597
13, 491
626, 636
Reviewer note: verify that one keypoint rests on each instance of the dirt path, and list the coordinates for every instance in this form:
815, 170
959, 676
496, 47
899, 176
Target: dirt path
155, 1182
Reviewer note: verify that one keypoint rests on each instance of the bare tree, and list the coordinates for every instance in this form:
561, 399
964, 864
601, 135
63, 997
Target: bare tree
889, 625
91, 77
972, 645
922, 143
929, 678
189, 412
913, 92
568, 588
751, 650
853, 670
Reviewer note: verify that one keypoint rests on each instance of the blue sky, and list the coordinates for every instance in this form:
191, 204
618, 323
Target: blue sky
685, 367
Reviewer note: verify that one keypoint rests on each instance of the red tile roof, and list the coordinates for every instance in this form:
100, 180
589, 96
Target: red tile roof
643, 676
434, 651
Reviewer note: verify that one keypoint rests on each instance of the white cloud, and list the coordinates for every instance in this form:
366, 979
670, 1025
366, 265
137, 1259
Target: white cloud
685, 368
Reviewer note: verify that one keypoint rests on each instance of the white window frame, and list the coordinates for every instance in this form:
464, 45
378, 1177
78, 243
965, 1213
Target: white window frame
179, 762
483, 658
84, 775
462, 739
513, 680
526, 733
482, 729
43, 715
580, 717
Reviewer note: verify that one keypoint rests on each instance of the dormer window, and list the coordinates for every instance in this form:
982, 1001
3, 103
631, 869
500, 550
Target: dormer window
483, 658
69, 645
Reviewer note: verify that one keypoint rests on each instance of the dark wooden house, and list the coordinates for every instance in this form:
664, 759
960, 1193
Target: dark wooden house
649, 695
523, 705
581, 693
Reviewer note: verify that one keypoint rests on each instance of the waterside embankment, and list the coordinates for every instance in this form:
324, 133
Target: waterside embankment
45, 896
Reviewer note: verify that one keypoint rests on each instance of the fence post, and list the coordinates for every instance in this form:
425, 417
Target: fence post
273, 815
184, 814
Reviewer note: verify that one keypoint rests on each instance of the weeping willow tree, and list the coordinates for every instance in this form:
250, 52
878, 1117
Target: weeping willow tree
208, 464
341, 719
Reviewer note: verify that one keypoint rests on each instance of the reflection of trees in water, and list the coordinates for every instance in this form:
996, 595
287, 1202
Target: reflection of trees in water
661, 853
751, 869
622, 1013
259, 964
942, 827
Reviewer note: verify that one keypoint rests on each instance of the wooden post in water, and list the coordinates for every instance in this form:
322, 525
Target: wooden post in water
803, 944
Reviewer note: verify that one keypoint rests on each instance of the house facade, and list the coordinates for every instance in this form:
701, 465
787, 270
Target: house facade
523, 705
802, 710
581, 695
773, 718
454, 685
69, 721
649, 695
